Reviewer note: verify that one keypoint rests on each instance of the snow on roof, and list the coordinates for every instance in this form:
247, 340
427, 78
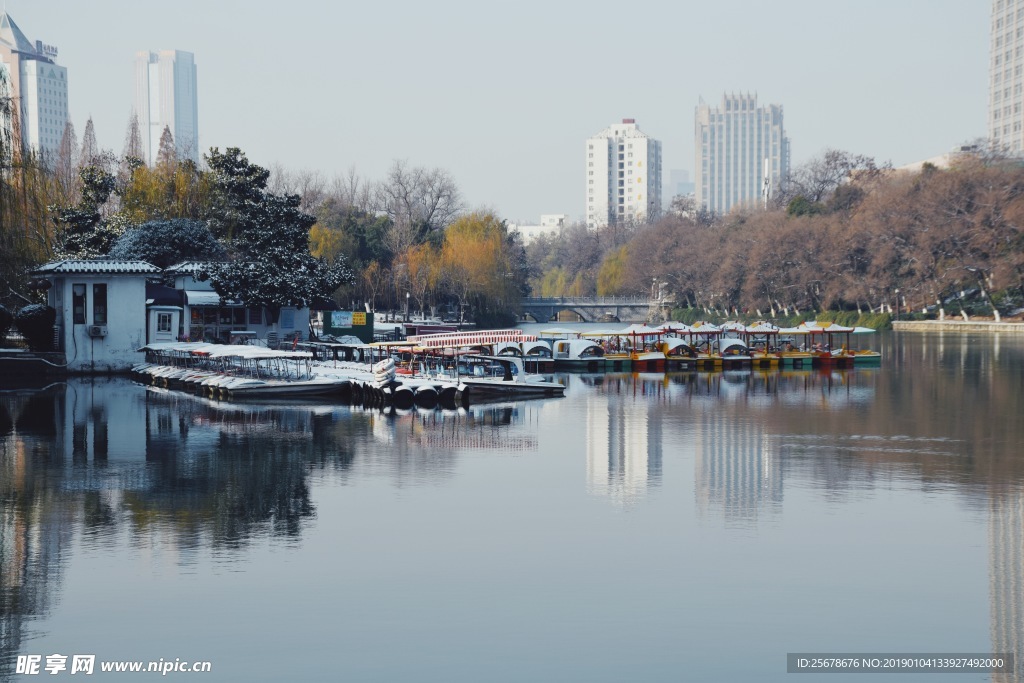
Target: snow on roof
82, 266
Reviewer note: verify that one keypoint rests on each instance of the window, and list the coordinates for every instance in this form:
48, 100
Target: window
163, 322
99, 304
287, 318
78, 304
255, 316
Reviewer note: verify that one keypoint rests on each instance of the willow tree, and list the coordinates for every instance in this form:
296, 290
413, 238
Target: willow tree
481, 267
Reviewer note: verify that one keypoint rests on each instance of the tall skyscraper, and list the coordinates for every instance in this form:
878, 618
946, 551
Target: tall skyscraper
165, 97
732, 145
1006, 76
37, 85
623, 175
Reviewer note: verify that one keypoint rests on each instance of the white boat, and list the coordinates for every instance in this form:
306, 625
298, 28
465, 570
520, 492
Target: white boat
513, 382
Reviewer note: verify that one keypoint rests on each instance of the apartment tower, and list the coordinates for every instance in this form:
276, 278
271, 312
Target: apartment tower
1006, 76
623, 176
165, 97
742, 152
37, 86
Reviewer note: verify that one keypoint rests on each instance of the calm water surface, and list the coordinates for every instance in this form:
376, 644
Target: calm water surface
646, 527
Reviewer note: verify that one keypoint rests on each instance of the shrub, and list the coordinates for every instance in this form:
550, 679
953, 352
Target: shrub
35, 322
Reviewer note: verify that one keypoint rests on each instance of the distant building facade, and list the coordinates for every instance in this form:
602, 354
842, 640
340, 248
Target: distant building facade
739, 146
1006, 76
550, 224
623, 175
166, 97
31, 77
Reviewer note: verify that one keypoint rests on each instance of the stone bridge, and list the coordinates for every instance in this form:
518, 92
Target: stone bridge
595, 309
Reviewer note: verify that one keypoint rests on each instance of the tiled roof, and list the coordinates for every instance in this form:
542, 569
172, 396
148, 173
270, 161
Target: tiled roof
83, 266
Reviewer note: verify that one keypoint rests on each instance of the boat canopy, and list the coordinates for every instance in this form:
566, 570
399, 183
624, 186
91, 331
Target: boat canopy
674, 327
562, 331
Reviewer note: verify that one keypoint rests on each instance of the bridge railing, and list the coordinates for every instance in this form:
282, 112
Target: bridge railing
588, 300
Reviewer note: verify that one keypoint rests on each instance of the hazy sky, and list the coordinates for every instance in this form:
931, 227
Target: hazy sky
503, 96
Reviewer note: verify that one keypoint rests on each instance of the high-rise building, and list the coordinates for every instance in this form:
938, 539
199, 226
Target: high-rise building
165, 97
37, 86
623, 175
1006, 76
741, 152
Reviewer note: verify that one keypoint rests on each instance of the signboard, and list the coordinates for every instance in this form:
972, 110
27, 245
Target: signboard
358, 318
355, 323
343, 319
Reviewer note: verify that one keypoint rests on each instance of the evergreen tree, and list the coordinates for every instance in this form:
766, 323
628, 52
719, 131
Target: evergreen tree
272, 266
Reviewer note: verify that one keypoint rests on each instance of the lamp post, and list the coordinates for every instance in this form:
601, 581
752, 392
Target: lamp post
897, 291
407, 307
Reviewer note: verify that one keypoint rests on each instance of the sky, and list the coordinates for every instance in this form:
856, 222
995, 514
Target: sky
504, 96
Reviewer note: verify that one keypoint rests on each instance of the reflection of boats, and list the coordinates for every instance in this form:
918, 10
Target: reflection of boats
512, 382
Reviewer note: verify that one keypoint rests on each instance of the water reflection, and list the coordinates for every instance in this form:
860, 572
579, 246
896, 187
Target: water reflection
109, 466
1006, 578
624, 437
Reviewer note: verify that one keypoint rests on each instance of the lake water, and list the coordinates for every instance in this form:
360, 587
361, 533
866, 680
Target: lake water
691, 526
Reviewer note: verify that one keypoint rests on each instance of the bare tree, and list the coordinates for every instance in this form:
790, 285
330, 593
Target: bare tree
133, 140
66, 166
90, 148
818, 178
418, 201
167, 156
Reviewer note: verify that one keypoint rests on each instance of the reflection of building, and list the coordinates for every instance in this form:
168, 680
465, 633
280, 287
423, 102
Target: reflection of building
165, 97
736, 466
623, 447
1006, 578
32, 79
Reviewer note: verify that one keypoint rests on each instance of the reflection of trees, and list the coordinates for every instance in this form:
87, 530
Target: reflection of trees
229, 472
35, 529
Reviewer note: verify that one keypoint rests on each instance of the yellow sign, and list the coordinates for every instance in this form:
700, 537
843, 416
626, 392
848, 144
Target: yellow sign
358, 319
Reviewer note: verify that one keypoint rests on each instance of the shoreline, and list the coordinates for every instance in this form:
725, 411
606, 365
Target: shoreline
957, 326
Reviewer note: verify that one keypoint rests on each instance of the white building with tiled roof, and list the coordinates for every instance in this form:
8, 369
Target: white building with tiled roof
101, 311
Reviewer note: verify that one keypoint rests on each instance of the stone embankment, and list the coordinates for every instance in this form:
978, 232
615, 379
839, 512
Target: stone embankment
1011, 327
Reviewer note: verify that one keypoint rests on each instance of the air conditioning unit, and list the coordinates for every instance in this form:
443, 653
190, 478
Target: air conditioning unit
97, 330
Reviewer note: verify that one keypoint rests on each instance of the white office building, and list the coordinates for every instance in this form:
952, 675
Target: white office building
741, 152
166, 97
1006, 76
550, 224
38, 86
623, 176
